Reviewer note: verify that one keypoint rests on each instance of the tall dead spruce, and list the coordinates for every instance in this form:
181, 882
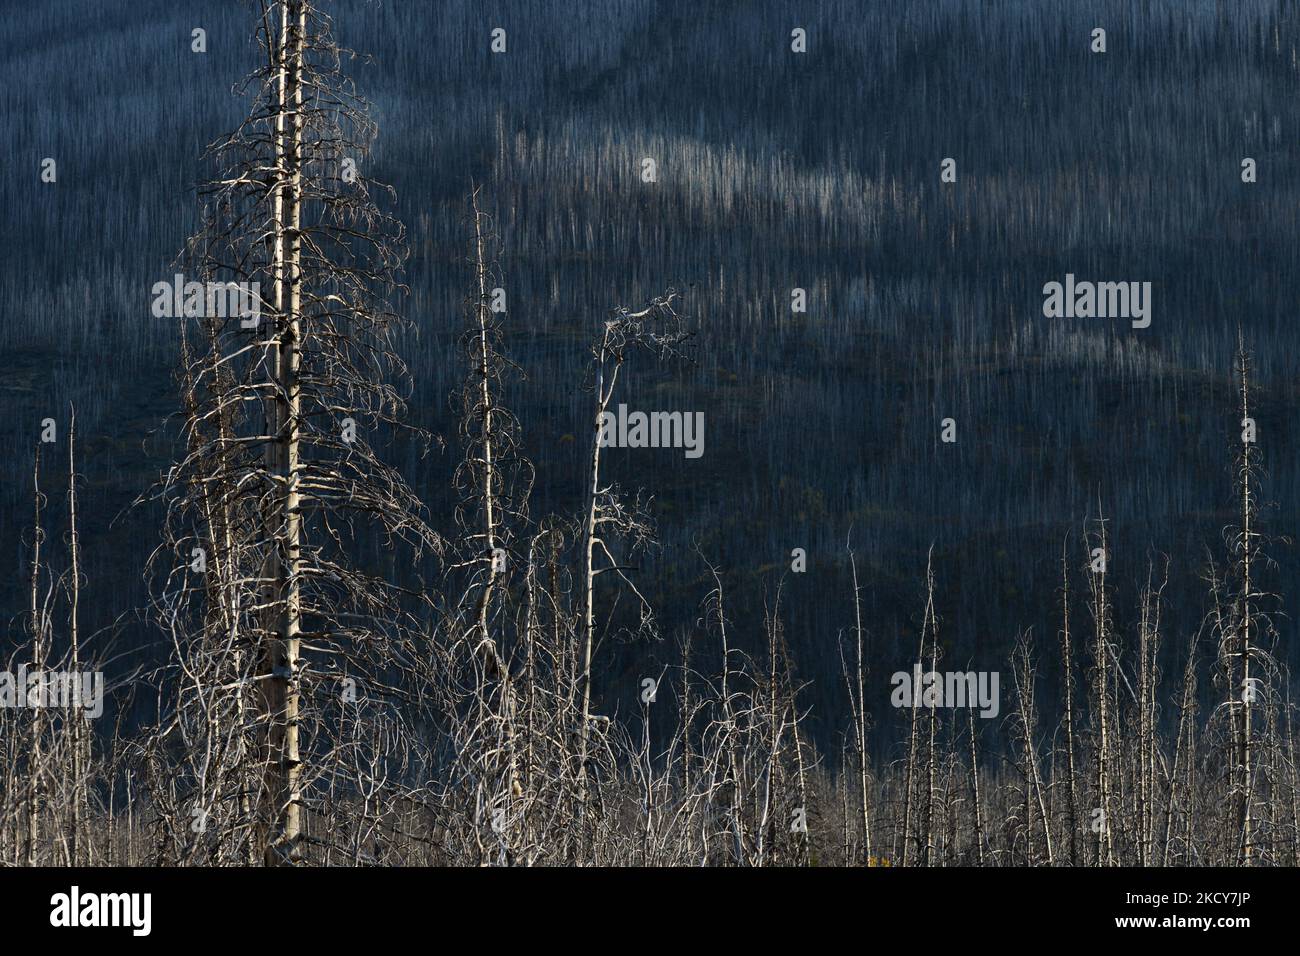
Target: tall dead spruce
283, 643
1249, 674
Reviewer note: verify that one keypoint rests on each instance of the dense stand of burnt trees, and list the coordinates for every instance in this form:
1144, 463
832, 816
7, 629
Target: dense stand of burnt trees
440, 701
464, 731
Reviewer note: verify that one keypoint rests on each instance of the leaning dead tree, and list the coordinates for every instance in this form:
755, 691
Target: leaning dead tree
280, 637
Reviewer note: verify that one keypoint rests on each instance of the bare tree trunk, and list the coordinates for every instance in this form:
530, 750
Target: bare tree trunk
685, 717
1023, 669
1105, 854
1246, 752
1067, 659
655, 328
909, 781
928, 857
77, 718
35, 764
283, 666
860, 715
1184, 746
975, 787
589, 581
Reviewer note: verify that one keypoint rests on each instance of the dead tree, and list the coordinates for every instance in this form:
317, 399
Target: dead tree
288, 407
1067, 665
493, 481
659, 330
1246, 634
912, 807
76, 720
1024, 672
856, 688
1103, 815
40, 652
